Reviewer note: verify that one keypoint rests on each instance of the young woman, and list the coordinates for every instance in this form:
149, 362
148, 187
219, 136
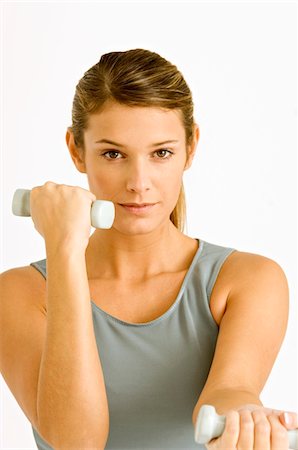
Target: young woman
115, 340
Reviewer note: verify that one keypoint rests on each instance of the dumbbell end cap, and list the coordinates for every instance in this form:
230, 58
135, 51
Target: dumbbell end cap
102, 214
205, 424
21, 203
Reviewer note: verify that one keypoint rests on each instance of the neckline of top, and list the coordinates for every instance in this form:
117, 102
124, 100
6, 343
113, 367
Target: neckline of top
172, 307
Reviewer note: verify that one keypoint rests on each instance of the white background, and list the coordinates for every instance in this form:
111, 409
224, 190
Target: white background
240, 61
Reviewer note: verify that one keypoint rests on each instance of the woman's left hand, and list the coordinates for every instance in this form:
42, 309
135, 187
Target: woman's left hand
254, 427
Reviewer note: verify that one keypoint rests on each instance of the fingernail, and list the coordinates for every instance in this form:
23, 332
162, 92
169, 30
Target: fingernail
288, 419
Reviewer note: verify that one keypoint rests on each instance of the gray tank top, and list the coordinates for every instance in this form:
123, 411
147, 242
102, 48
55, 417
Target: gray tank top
154, 372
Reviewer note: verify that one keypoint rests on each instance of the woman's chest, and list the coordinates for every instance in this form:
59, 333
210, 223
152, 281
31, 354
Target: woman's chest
137, 302
146, 301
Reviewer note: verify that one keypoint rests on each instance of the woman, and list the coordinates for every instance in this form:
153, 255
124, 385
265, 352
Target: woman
173, 322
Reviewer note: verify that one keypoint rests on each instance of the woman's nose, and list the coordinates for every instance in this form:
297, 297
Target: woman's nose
138, 177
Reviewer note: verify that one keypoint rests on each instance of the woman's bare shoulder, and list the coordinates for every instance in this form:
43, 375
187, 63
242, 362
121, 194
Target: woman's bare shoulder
22, 334
240, 265
25, 280
238, 269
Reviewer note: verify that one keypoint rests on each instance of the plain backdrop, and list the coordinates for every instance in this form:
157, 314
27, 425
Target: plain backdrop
240, 62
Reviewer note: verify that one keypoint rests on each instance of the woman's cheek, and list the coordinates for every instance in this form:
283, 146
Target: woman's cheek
104, 185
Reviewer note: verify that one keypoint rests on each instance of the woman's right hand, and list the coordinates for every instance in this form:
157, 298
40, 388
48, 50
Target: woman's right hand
61, 214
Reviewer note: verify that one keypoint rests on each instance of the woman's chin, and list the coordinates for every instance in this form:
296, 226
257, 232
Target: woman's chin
136, 227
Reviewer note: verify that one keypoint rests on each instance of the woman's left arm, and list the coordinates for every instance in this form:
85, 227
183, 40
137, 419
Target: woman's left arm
250, 336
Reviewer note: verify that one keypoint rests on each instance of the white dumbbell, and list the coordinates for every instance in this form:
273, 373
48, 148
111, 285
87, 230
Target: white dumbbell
102, 211
210, 425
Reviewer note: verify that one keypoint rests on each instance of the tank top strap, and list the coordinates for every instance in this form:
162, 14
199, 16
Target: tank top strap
41, 266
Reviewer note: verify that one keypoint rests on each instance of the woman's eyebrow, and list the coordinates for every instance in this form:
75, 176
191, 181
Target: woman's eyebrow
107, 141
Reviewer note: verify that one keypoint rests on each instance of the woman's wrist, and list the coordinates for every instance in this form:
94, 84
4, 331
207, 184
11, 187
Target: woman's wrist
66, 249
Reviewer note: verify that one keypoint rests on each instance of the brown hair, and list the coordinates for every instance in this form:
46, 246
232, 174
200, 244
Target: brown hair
135, 77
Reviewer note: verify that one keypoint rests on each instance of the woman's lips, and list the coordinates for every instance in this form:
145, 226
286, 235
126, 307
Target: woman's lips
139, 210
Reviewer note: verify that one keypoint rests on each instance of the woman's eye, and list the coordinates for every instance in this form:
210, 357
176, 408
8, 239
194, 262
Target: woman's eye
111, 152
163, 152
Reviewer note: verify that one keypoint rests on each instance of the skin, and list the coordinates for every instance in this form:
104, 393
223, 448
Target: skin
138, 247
254, 427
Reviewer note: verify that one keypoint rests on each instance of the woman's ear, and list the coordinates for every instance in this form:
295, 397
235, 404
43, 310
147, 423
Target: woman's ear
76, 153
192, 147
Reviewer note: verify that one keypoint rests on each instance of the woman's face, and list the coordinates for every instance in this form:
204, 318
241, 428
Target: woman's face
143, 163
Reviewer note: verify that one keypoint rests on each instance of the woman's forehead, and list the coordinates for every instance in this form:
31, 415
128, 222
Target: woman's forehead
122, 119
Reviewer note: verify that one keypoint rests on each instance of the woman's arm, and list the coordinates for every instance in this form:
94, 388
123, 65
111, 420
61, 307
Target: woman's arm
250, 336
48, 357
72, 405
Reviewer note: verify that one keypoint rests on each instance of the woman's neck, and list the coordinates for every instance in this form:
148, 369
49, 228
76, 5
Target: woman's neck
113, 255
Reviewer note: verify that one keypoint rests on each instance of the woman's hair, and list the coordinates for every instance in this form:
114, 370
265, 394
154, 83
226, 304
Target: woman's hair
134, 77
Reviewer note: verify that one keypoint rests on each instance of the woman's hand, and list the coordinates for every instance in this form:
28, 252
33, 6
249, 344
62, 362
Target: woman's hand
253, 427
61, 214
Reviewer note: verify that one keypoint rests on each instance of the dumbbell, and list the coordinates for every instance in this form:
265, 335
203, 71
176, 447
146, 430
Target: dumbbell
210, 425
102, 211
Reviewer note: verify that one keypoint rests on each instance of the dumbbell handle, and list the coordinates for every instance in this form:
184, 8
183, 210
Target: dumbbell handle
102, 211
210, 425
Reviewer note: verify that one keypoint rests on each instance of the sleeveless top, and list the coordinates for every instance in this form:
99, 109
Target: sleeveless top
154, 372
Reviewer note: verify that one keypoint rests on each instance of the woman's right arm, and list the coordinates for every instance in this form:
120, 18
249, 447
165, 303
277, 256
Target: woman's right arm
70, 407
49, 360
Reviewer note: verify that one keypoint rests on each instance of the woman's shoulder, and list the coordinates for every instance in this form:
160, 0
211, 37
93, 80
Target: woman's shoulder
240, 266
22, 334
24, 284
240, 261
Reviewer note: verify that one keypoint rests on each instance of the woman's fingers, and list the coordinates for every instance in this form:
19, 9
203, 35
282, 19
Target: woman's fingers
279, 434
230, 436
251, 430
257, 429
246, 435
289, 420
61, 213
262, 431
